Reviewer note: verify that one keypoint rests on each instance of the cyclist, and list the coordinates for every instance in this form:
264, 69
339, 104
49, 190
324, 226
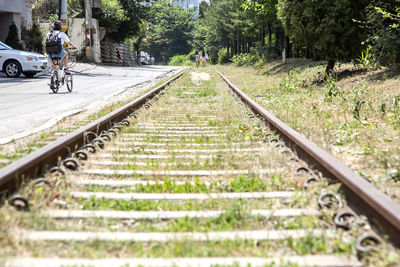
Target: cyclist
57, 27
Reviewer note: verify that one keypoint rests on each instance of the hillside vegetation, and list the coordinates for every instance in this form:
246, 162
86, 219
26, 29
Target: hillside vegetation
355, 114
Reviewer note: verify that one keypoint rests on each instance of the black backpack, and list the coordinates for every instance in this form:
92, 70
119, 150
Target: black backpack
53, 43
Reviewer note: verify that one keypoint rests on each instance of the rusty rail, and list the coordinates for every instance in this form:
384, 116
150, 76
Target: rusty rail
37, 162
382, 211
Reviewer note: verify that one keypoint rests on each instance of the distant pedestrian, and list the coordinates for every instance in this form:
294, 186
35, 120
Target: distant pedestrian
197, 58
203, 58
152, 60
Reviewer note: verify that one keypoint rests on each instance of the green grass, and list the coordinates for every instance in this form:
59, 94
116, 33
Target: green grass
141, 205
287, 93
240, 184
99, 249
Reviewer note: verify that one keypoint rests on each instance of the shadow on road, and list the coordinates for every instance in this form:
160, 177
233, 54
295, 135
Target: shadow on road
5, 79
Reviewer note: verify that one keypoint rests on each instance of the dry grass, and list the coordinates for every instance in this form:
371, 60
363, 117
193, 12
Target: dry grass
355, 115
209, 97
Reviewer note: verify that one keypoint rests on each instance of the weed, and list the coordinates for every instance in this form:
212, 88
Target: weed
290, 83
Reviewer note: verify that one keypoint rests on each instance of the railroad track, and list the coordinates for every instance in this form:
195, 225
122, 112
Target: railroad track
193, 175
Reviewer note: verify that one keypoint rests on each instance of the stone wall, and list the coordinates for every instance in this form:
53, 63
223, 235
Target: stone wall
117, 54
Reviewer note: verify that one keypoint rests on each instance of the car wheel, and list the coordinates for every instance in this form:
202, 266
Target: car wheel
29, 74
13, 69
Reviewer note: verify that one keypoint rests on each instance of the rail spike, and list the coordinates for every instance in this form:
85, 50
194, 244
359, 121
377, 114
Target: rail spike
99, 142
309, 180
345, 219
71, 164
329, 200
366, 243
57, 170
19, 202
81, 155
42, 181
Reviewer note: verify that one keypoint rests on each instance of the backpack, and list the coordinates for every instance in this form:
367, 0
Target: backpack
53, 43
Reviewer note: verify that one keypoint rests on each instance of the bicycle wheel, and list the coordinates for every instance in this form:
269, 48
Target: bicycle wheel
68, 79
54, 83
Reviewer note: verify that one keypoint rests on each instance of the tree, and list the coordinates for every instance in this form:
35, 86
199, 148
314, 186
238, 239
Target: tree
135, 12
110, 15
12, 37
122, 19
325, 26
383, 26
267, 9
225, 25
32, 38
169, 30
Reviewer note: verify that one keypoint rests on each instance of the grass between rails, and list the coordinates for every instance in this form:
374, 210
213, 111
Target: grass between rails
235, 218
142, 205
242, 183
228, 161
302, 246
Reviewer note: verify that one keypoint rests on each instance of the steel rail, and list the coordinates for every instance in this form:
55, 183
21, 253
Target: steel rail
37, 162
382, 211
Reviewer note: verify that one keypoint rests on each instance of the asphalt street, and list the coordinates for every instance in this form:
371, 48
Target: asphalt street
28, 103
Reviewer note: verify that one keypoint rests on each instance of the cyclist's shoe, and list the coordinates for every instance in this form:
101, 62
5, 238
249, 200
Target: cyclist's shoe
66, 71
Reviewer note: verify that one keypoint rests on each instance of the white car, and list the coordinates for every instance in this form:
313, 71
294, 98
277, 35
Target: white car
14, 62
144, 58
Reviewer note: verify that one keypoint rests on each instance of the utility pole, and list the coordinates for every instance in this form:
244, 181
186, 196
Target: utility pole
88, 28
63, 11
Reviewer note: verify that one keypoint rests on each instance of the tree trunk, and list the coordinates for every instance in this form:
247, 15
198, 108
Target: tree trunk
330, 66
277, 38
287, 46
269, 34
262, 36
237, 42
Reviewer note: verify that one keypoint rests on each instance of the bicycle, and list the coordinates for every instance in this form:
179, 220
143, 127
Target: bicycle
71, 58
58, 76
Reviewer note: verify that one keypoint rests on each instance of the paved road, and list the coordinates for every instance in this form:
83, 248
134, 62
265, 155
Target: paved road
26, 104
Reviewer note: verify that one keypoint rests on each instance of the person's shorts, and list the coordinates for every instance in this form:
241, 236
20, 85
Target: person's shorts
61, 55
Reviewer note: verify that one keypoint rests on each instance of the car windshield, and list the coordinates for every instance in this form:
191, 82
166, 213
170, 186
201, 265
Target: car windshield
3, 46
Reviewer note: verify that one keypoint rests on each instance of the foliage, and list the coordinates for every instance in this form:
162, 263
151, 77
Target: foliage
382, 24
169, 30
367, 59
32, 38
122, 19
12, 37
180, 60
324, 26
223, 56
42, 10
290, 83
256, 58
226, 25
110, 15
244, 59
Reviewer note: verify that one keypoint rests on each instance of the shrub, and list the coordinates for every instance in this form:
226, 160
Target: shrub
367, 59
383, 24
180, 60
223, 56
32, 38
244, 59
12, 37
